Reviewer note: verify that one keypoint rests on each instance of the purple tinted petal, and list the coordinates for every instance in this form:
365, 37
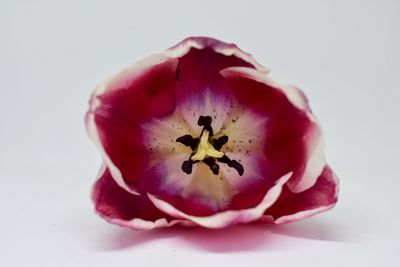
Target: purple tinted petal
118, 206
121, 105
229, 217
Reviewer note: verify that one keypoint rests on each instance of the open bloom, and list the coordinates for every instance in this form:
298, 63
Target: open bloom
200, 135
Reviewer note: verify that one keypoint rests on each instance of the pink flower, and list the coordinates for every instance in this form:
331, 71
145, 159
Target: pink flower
200, 135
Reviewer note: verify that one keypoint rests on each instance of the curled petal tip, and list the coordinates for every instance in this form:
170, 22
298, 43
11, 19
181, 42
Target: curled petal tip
321, 197
227, 49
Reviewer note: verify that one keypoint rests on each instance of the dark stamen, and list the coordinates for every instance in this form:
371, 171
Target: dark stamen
233, 164
187, 166
237, 166
188, 140
219, 142
206, 121
213, 166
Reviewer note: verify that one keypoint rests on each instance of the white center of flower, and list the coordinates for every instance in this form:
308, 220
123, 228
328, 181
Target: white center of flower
205, 148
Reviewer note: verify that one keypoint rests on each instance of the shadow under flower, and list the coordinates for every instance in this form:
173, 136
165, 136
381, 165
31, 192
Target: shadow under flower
251, 237
314, 229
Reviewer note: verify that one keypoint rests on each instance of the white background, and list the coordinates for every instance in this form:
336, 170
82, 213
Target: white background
344, 54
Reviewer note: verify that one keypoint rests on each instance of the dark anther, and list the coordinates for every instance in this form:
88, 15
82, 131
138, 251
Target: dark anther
233, 164
219, 142
224, 159
213, 166
206, 121
187, 166
188, 140
237, 166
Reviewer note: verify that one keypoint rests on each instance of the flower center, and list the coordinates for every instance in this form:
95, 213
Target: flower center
206, 149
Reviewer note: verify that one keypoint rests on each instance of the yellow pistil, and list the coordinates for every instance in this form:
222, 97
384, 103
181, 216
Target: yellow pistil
206, 149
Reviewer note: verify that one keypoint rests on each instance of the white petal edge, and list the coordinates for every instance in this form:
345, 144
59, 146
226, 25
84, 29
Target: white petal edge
227, 49
292, 93
230, 217
115, 172
305, 213
132, 72
317, 160
315, 166
137, 223
140, 224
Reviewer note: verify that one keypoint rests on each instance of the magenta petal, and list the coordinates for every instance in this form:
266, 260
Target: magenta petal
296, 206
294, 139
118, 206
119, 106
198, 69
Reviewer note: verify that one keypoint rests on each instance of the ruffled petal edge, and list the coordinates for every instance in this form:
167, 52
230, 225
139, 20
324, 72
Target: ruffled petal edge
135, 223
230, 217
227, 49
319, 198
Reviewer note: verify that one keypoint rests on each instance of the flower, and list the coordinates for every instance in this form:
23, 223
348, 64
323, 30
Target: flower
200, 135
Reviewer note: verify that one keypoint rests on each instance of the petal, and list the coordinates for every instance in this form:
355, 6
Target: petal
121, 105
226, 218
118, 206
223, 48
296, 206
200, 61
294, 139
